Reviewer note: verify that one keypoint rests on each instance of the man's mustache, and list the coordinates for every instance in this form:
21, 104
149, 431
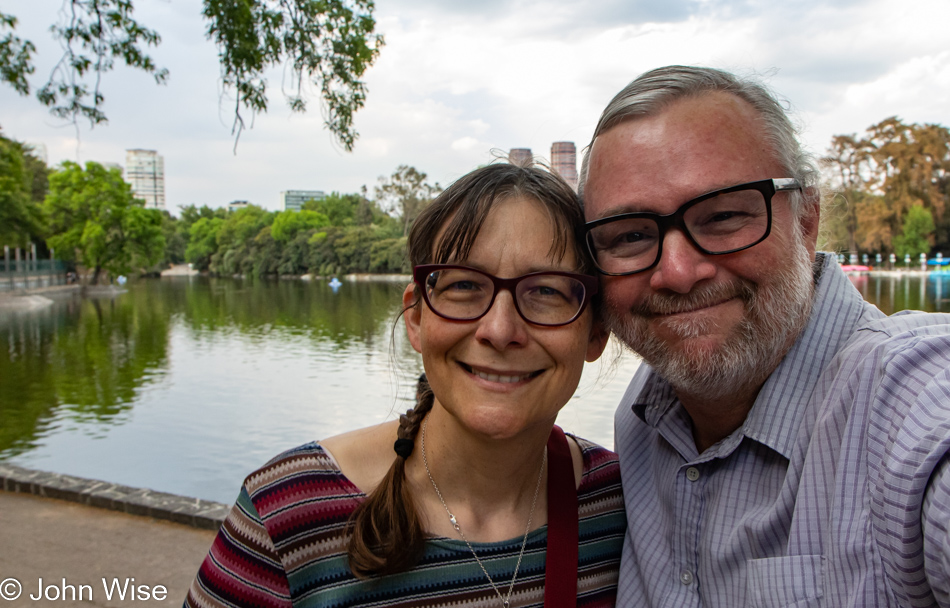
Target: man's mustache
659, 304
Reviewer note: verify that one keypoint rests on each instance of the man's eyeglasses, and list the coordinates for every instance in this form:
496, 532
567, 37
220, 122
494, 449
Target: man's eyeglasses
460, 293
720, 222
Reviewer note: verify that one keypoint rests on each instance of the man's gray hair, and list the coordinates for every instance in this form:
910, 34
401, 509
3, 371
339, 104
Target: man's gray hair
655, 90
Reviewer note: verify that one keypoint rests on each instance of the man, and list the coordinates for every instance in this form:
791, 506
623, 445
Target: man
787, 442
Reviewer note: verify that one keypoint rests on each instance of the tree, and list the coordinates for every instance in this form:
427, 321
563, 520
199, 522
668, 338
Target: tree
289, 223
405, 193
21, 217
849, 163
917, 234
94, 217
203, 241
326, 43
882, 175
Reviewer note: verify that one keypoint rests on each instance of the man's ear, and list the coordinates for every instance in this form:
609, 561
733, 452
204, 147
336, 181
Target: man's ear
412, 316
598, 341
811, 217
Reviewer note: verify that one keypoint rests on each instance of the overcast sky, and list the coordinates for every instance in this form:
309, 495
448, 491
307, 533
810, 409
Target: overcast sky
457, 79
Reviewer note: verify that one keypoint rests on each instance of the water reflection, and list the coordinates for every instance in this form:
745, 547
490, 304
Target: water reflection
80, 361
896, 291
186, 385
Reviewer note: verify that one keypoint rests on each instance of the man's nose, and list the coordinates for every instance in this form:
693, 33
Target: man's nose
681, 264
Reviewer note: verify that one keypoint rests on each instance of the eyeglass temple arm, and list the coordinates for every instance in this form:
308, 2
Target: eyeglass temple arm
786, 183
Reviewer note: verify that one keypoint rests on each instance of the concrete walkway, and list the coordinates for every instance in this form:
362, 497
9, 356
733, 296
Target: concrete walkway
56, 540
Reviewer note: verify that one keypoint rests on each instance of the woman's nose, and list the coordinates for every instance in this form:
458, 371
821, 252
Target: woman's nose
502, 326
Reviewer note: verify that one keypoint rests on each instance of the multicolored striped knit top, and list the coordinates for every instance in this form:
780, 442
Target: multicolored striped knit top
284, 544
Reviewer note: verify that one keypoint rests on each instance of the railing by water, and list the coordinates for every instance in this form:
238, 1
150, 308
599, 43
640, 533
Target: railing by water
30, 273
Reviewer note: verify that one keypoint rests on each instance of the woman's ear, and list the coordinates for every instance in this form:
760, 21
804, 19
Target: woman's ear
598, 341
412, 316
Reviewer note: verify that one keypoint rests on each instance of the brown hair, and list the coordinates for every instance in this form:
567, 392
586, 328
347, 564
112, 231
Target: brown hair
387, 534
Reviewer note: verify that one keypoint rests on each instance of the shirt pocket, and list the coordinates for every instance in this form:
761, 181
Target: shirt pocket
790, 582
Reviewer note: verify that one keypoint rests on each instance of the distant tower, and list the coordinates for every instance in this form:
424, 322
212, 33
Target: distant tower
564, 161
521, 157
145, 170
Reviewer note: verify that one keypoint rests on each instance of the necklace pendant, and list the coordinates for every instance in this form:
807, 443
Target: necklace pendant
507, 604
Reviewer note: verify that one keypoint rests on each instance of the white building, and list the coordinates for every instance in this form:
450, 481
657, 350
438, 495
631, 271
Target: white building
294, 199
145, 170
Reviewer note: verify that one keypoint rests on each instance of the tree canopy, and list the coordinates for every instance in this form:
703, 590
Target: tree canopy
405, 193
93, 217
328, 44
23, 183
893, 185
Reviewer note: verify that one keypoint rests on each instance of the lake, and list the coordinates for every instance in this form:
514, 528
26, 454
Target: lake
186, 385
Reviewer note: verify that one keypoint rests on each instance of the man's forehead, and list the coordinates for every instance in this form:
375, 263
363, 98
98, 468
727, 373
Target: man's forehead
693, 146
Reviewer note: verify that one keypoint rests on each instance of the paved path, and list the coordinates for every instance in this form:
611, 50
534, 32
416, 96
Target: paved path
55, 540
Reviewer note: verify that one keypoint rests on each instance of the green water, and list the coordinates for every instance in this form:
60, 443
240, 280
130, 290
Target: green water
187, 385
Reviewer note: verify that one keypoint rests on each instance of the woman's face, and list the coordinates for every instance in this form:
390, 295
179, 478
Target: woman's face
500, 375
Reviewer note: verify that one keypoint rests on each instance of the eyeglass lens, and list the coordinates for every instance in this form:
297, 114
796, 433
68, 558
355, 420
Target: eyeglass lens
463, 294
723, 223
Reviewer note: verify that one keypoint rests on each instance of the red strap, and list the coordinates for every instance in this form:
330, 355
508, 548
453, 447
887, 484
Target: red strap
560, 577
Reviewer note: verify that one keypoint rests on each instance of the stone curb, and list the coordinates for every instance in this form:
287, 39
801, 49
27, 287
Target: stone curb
193, 512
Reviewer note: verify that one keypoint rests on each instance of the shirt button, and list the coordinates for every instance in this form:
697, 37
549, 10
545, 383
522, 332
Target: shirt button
692, 474
686, 577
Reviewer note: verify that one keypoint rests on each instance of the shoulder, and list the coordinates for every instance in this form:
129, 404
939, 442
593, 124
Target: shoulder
600, 468
299, 477
364, 455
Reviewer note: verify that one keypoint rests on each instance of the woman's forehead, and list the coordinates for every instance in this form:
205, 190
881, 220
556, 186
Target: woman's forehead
518, 227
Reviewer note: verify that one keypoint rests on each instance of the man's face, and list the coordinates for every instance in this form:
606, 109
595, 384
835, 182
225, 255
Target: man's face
709, 324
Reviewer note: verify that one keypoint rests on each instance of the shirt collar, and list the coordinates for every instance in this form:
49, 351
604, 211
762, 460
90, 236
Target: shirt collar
781, 404
778, 410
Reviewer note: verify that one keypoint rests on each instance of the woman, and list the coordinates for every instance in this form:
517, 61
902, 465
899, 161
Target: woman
450, 504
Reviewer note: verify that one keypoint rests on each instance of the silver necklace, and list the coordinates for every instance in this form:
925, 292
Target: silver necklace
505, 599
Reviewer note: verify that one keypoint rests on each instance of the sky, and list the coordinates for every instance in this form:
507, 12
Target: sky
458, 82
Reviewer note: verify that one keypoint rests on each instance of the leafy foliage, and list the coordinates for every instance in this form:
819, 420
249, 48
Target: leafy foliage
288, 224
93, 34
405, 193
94, 217
23, 183
328, 44
883, 176
15, 56
917, 232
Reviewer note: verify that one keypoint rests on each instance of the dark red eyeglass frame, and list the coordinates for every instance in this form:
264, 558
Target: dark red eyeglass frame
591, 287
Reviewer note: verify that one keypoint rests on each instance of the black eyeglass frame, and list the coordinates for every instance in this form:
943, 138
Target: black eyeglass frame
591, 287
768, 188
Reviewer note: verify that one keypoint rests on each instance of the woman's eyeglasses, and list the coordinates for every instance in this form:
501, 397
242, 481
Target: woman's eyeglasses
460, 293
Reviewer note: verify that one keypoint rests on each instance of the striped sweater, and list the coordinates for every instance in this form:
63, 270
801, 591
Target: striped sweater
284, 544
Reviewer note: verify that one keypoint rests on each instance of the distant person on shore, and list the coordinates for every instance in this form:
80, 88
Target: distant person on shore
474, 497
786, 443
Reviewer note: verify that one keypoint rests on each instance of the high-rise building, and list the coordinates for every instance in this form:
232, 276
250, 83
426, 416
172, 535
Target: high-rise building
236, 205
294, 199
145, 170
521, 157
564, 161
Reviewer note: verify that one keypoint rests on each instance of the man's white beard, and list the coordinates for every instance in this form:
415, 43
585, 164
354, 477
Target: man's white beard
775, 316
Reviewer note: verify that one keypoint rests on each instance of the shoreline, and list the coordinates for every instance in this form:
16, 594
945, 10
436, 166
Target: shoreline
194, 512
